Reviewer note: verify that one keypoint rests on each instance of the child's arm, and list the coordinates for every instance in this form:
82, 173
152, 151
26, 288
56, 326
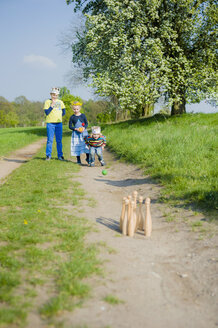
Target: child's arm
71, 127
104, 142
86, 139
85, 121
48, 107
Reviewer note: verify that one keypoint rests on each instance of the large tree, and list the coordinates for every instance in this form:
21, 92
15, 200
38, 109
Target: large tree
139, 50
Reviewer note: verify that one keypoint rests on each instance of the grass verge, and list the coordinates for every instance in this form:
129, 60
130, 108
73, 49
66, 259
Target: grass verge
179, 152
43, 257
15, 138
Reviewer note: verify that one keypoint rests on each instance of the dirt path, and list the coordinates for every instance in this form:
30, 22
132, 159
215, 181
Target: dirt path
168, 280
9, 163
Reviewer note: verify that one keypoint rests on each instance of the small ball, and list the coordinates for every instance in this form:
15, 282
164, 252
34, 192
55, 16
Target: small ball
104, 172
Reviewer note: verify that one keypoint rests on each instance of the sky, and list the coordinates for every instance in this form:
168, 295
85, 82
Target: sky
31, 58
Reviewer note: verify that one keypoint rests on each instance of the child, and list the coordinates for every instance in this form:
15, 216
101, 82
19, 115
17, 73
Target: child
78, 123
54, 110
96, 142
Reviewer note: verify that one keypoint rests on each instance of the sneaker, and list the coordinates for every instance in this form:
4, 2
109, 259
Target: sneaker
92, 164
102, 163
61, 158
78, 162
48, 158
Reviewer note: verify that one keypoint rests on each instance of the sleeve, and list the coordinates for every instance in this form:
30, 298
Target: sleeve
63, 108
47, 107
86, 139
71, 125
85, 121
104, 141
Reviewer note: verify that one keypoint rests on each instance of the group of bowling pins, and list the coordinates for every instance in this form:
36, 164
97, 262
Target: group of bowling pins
133, 217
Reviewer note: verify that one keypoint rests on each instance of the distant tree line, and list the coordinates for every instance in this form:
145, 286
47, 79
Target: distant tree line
23, 112
20, 112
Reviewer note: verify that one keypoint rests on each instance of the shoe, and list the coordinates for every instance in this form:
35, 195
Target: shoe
79, 163
48, 158
61, 158
102, 163
91, 164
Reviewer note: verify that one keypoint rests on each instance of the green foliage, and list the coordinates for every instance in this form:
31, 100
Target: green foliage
179, 152
113, 300
140, 50
93, 109
20, 112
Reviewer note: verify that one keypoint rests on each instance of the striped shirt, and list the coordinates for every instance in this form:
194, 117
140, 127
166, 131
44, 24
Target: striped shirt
90, 141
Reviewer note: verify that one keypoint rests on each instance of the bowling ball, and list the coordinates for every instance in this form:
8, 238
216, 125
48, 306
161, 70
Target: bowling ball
104, 172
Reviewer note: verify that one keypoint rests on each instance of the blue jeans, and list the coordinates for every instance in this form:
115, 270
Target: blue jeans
54, 129
92, 152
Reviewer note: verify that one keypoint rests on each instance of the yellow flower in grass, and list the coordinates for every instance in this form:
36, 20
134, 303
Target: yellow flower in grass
25, 222
39, 211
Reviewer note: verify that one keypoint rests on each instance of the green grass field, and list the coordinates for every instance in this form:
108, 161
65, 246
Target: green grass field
42, 241
179, 152
15, 138
42, 231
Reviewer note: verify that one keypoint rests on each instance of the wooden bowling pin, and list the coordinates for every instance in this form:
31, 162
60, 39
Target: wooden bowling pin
148, 221
134, 194
129, 197
125, 218
140, 216
132, 219
122, 213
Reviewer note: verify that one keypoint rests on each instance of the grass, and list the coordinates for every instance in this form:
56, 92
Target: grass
178, 152
42, 242
113, 300
15, 138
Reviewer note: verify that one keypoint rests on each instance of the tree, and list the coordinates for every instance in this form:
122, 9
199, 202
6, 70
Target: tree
93, 108
140, 50
67, 98
8, 115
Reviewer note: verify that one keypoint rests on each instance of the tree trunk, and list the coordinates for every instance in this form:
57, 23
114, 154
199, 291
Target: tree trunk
147, 109
178, 107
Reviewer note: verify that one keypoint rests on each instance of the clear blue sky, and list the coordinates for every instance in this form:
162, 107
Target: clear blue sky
31, 62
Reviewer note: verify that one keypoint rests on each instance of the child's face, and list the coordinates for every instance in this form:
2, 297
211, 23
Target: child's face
95, 135
54, 96
76, 109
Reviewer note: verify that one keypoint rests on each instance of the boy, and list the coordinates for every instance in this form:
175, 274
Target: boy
96, 142
54, 110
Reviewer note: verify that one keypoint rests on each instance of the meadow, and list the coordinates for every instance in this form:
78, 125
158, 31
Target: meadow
15, 138
43, 256
178, 152
44, 259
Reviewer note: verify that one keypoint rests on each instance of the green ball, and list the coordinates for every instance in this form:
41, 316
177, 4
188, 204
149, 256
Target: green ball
104, 172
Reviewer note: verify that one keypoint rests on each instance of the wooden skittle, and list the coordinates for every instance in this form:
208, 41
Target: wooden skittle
131, 222
148, 221
135, 194
140, 216
125, 219
129, 197
122, 213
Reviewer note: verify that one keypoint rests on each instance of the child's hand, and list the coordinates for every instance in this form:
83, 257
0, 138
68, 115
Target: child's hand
81, 129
